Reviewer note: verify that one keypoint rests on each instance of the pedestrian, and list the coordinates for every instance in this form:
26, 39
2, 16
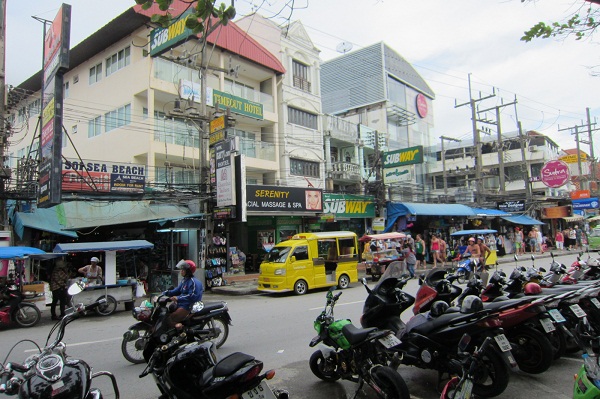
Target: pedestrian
572, 238
443, 251
435, 249
500, 245
410, 258
58, 285
539, 240
519, 241
420, 252
559, 238
578, 238
532, 240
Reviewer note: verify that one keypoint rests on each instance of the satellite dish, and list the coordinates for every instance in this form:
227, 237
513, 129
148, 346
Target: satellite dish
344, 47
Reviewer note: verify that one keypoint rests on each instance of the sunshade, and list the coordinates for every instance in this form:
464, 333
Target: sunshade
473, 232
383, 236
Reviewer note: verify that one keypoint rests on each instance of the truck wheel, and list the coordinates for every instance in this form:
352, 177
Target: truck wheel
343, 282
300, 287
107, 308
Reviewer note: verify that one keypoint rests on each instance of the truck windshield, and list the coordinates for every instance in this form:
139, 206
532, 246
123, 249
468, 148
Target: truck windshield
279, 254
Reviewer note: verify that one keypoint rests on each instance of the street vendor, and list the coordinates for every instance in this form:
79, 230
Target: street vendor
92, 272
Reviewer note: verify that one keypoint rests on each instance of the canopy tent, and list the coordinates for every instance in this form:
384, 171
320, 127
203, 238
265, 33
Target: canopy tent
473, 232
19, 252
399, 209
522, 219
489, 212
383, 236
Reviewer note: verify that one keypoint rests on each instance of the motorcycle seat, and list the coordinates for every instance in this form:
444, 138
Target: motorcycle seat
206, 308
444, 320
355, 335
507, 304
231, 364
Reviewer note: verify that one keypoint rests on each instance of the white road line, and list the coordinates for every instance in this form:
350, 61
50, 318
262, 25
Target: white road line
82, 343
338, 304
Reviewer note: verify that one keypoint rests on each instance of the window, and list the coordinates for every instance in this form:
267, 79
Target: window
95, 73
301, 253
95, 127
300, 167
240, 90
66, 90
75, 79
536, 169
175, 131
300, 75
117, 118
118, 61
302, 118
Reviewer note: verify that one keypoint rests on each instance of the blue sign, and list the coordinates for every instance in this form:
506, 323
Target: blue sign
587, 203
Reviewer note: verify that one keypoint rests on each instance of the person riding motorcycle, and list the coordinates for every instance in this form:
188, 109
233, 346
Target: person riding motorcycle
188, 292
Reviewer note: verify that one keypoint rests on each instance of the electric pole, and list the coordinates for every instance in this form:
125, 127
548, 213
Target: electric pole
5, 174
528, 194
444, 163
591, 143
584, 183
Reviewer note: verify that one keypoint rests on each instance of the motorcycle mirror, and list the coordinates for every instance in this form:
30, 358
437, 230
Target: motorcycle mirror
76, 288
464, 342
552, 255
363, 281
516, 258
532, 257
542, 270
522, 268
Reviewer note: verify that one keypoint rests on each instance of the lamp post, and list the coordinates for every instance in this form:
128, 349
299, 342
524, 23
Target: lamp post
442, 138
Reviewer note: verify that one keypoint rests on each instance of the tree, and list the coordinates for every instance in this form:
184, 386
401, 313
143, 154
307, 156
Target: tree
203, 10
580, 24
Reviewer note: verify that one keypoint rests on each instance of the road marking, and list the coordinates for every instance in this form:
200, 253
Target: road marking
339, 304
82, 343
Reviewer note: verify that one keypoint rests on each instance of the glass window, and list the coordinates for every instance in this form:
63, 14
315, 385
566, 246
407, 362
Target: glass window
95, 127
95, 73
301, 253
302, 118
117, 118
118, 61
299, 167
301, 76
66, 90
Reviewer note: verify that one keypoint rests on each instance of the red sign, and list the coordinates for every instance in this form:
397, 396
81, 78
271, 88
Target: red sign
580, 194
421, 105
555, 174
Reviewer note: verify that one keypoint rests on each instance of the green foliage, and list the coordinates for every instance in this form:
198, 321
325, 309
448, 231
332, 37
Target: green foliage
579, 25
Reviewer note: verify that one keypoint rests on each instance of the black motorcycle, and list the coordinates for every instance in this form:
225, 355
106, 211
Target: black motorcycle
13, 306
186, 368
51, 374
430, 340
210, 316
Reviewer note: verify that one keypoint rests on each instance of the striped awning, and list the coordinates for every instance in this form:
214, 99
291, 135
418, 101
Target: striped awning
575, 218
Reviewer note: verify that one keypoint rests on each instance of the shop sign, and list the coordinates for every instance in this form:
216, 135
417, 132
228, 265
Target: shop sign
398, 174
162, 39
573, 158
421, 105
348, 206
555, 174
512, 206
556, 212
225, 172
190, 91
277, 199
238, 105
580, 194
407, 156
378, 224
226, 212
103, 177
589, 203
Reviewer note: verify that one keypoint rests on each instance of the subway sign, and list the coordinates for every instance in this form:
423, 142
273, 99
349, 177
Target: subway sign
406, 156
162, 39
348, 206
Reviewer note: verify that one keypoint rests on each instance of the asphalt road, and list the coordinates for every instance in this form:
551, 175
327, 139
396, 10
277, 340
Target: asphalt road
277, 330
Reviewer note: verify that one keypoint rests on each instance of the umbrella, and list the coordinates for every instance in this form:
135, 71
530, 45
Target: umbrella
472, 232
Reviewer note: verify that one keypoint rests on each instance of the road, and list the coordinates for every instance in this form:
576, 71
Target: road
276, 329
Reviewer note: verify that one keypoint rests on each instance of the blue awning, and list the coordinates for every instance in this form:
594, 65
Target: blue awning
102, 246
489, 212
522, 219
42, 219
19, 252
399, 209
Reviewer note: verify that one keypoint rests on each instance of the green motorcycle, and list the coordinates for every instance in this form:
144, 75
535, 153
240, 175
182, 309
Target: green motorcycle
355, 354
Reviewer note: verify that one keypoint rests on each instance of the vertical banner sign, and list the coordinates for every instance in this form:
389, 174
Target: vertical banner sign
225, 172
56, 62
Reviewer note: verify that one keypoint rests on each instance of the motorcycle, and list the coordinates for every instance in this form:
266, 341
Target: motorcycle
152, 326
185, 368
51, 373
464, 268
575, 272
429, 339
14, 308
354, 354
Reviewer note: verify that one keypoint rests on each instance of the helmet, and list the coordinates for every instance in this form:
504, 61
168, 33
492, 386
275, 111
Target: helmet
94, 259
532, 289
481, 238
438, 308
443, 287
471, 304
186, 264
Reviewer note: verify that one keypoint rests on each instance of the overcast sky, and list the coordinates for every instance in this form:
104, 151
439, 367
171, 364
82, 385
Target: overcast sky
444, 40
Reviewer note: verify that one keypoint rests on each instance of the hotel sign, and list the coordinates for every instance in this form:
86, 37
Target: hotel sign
238, 105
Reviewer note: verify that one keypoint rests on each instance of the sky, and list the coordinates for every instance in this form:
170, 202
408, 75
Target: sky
447, 42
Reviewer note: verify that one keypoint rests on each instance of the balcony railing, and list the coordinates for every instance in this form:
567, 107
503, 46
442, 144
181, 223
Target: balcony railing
257, 149
345, 171
302, 84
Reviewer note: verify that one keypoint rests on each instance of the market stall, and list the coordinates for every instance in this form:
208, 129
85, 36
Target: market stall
114, 290
376, 261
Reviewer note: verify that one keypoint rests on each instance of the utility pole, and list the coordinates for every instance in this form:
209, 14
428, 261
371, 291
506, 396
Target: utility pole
584, 182
591, 143
498, 124
476, 138
525, 166
444, 162
3, 131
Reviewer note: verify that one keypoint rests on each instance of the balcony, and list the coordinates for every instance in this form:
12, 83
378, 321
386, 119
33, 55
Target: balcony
257, 149
345, 171
302, 84
341, 129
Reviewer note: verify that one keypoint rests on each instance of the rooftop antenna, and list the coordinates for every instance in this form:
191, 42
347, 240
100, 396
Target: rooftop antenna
344, 47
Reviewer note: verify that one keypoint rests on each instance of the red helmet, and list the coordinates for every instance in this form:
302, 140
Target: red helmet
532, 289
186, 264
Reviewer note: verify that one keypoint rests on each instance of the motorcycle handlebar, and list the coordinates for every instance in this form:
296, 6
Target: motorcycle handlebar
3, 379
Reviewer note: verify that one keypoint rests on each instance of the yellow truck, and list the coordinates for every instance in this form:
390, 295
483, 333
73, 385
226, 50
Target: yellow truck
310, 260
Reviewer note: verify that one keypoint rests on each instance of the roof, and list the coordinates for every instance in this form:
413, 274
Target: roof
424, 209
50, 220
102, 246
522, 219
489, 212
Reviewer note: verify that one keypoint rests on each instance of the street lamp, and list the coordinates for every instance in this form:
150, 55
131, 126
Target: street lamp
442, 138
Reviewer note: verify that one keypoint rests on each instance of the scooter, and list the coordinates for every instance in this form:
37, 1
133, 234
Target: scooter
211, 316
13, 308
51, 374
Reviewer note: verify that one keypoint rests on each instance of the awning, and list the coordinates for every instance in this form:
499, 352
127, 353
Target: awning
489, 212
19, 252
472, 232
102, 246
41, 219
573, 218
399, 209
522, 219
593, 219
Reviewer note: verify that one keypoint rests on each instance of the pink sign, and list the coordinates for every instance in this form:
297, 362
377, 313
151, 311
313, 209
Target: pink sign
555, 174
421, 105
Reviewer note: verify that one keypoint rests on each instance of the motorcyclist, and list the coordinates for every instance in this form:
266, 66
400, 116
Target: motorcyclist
188, 292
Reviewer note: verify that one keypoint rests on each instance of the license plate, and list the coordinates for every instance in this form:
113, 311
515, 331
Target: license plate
547, 325
465, 390
596, 302
557, 316
260, 392
389, 341
502, 342
578, 311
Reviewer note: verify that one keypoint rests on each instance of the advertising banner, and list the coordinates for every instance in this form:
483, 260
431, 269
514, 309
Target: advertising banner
556, 212
277, 199
588, 203
348, 206
103, 177
512, 206
555, 174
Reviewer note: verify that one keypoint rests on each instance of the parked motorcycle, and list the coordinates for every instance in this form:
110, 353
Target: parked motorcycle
355, 354
185, 368
152, 326
13, 307
429, 340
51, 374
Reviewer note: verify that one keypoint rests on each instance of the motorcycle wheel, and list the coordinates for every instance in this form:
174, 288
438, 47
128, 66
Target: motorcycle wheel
461, 276
323, 369
220, 328
27, 315
558, 341
107, 308
390, 382
492, 375
531, 349
133, 348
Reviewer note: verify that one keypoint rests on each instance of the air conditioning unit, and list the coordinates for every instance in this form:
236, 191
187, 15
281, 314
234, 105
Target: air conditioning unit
533, 148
